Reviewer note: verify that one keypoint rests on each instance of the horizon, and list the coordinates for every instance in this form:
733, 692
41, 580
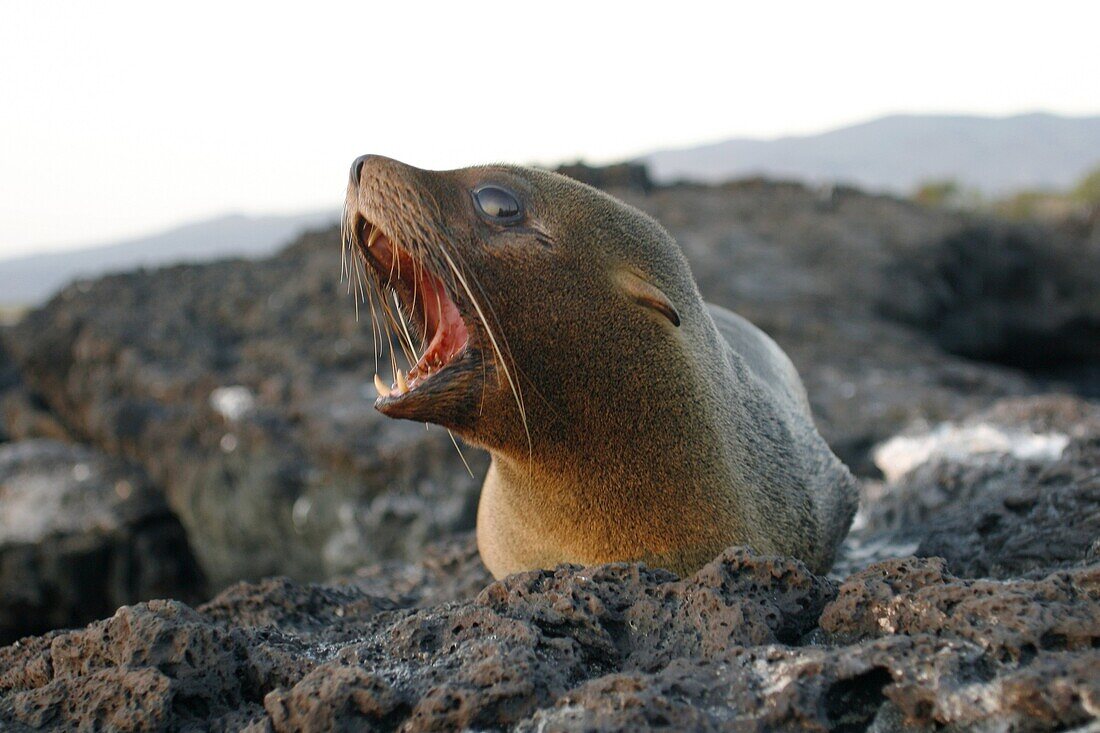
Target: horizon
168, 118
215, 216
171, 228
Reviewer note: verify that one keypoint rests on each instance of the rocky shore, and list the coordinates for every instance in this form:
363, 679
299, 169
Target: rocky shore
167, 434
747, 643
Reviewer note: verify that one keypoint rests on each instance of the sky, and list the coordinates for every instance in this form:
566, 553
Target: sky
122, 118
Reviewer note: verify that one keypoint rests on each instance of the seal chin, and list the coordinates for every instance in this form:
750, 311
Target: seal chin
428, 312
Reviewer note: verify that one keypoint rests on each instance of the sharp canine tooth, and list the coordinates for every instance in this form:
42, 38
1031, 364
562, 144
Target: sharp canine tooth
402, 385
383, 390
375, 233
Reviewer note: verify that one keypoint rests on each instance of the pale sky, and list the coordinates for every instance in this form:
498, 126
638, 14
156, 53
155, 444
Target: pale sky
122, 118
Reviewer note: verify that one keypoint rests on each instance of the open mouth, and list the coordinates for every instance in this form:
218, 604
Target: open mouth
421, 310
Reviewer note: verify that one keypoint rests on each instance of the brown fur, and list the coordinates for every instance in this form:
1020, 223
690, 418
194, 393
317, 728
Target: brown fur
638, 439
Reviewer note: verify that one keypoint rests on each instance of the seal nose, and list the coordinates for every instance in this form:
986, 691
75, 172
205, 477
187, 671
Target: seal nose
378, 169
357, 168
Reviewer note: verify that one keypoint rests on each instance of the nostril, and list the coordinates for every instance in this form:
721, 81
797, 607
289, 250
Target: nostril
357, 168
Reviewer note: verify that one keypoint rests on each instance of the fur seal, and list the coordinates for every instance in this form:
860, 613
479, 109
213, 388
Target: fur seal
561, 329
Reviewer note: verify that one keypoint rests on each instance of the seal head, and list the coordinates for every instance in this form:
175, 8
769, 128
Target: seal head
562, 330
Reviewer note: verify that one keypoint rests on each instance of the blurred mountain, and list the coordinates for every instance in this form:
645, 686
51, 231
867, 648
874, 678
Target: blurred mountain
995, 155
31, 279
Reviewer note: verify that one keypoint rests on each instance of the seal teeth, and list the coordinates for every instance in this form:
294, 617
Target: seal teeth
375, 233
402, 385
383, 390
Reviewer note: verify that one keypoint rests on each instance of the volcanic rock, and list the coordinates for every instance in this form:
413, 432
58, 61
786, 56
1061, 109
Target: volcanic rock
748, 642
992, 512
1016, 294
903, 644
243, 388
81, 535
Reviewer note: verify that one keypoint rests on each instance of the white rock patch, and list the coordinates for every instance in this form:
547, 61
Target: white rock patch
233, 402
901, 454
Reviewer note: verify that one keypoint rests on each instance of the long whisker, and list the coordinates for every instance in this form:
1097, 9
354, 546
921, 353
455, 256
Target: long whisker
489, 307
354, 294
360, 264
360, 274
393, 326
427, 246
464, 463
343, 243
376, 345
410, 351
493, 341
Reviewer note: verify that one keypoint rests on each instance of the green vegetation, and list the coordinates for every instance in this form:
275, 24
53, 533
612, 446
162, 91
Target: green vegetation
1027, 204
1087, 192
937, 193
1035, 205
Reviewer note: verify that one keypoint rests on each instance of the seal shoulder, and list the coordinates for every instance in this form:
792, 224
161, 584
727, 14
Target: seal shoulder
768, 363
812, 475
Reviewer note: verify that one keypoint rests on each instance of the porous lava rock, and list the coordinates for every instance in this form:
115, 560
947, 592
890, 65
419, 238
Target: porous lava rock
995, 513
747, 643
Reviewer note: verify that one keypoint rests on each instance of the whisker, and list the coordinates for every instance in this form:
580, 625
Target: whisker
410, 352
345, 247
455, 444
401, 330
430, 245
493, 341
360, 292
418, 273
375, 346
356, 302
507, 348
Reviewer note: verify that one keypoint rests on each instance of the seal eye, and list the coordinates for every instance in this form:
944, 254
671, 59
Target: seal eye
498, 203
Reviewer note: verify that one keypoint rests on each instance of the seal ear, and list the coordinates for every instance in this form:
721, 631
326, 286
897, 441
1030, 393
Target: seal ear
647, 294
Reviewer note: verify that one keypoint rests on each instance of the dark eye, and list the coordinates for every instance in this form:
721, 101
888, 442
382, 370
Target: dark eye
498, 203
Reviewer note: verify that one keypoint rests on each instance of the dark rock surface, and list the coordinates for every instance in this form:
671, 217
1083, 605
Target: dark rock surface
748, 643
81, 535
9, 376
447, 571
618, 177
243, 388
994, 514
1016, 294
21, 413
1004, 634
9, 380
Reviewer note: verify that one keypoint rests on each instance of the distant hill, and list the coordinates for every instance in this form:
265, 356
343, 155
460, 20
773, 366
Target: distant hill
31, 279
894, 154
996, 155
